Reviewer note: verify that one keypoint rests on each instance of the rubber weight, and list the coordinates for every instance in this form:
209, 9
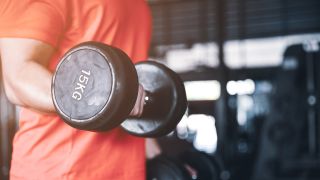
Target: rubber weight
94, 87
165, 168
205, 166
166, 102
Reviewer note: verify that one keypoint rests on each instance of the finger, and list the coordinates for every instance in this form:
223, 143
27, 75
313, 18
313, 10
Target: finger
132, 112
142, 101
135, 110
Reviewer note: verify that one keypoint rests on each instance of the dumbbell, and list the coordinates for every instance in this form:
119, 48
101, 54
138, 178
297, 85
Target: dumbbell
164, 167
187, 166
95, 87
203, 165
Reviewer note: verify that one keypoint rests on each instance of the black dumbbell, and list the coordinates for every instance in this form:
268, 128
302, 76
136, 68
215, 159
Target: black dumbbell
189, 165
204, 165
166, 168
95, 87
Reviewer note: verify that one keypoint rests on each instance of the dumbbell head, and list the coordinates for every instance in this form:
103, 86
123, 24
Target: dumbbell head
165, 168
94, 87
166, 102
205, 166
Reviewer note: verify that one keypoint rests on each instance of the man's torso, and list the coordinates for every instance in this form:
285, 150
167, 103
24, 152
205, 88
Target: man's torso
44, 146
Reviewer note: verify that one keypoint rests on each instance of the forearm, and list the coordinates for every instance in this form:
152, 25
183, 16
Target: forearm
30, 87
27, 80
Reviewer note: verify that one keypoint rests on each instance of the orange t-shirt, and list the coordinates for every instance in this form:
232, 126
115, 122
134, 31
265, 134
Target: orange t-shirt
44, 146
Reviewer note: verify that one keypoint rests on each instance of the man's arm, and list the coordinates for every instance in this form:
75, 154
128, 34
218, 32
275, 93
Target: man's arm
27, 81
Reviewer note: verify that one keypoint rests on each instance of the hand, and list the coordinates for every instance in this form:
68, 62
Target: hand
138, 107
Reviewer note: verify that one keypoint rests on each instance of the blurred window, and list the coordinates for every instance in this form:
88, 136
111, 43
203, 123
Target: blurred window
262, 52
182, 58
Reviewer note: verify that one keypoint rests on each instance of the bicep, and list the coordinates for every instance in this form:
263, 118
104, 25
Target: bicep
17, 51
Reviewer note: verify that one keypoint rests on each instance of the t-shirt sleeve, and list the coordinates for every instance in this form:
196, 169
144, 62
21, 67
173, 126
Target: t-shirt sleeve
36, 19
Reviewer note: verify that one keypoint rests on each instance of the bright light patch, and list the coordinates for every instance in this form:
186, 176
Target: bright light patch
202, 128
241, 87
202, 90
245, 104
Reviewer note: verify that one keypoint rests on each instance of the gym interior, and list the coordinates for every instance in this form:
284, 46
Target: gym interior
251, 72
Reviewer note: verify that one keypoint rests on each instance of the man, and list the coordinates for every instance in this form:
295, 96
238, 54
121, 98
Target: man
34, 34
